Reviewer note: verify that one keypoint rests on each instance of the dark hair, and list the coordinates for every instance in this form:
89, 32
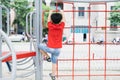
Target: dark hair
56, 18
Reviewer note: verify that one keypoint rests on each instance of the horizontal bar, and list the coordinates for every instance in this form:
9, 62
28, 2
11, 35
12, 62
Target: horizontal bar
87, 59
91, 27
90, 75
86, 10
88, 1
90, 43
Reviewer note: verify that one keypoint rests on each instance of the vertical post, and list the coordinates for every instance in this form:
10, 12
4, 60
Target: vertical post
89, 44
105, 40
0, 17
73, 58
0, 42
8, 21
31, 28
34, 24
38, 61
27, 22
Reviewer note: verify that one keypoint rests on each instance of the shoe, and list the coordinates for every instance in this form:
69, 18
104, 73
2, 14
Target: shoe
47, 59
52, 77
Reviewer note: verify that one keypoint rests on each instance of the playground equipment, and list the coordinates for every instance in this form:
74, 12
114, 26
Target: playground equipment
88, 60
88, 1
12, 53
73, 60
8, 20
21, 54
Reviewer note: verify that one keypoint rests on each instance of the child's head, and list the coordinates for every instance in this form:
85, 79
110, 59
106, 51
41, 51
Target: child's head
56, 18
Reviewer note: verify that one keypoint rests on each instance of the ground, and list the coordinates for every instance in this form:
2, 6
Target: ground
81, 67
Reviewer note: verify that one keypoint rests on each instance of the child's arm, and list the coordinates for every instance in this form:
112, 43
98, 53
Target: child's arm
49, 17
63, 19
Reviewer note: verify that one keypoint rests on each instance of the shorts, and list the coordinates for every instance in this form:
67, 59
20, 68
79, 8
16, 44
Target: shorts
53, 51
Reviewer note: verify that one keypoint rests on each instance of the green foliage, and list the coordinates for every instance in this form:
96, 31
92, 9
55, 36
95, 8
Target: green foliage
21, 9
4, 13
115, 16
45, 17
5, 2
45, 14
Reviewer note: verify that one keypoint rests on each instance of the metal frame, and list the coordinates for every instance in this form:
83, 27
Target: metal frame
3, 7
38, 6
38, 57
8, 18
105, 74
13, 75
86, 1
0, 42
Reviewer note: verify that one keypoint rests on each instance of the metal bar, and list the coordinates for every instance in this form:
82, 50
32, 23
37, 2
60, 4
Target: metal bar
105, 36
31, 29
34, 23
0, 42
73, 63
89, 52
87, 1
31, 23
9, 66
0, 17
90, 75
38, 57
13, 75
27, 16
82, 59
8, 18
89, 11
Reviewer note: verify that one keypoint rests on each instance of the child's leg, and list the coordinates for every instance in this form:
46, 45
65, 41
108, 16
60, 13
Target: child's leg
44, 53
54, 57
53, 69
43, 50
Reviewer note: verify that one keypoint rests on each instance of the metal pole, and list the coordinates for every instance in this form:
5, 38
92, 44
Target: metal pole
87, 1
8, 21
27, 22
12, 52
38, 61
31, 23
8, 18
2, 6
0, 17
31, 28
34, 24
0, 42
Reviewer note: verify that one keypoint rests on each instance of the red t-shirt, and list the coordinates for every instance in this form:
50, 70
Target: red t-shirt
55, 32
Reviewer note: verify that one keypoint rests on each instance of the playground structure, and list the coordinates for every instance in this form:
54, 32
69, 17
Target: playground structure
12, 55
38, 57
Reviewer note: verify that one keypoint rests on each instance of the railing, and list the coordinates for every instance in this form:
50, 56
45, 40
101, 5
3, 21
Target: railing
8, 19
12, 53
88, 0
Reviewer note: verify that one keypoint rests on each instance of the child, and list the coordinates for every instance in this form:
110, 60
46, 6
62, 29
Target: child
56, 23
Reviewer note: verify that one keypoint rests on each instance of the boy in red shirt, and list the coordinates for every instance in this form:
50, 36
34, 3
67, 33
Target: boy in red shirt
56, 23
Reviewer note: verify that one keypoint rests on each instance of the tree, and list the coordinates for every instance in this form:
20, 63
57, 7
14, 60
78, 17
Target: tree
45, 14
4, 17
45, 17
21, 9
115, 16
5, 2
